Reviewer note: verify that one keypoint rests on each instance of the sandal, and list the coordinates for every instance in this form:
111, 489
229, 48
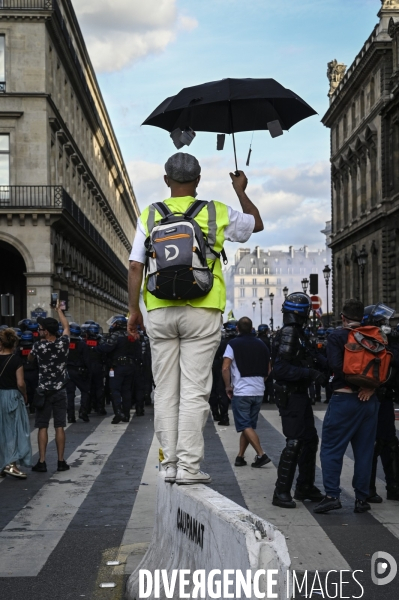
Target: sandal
10, 470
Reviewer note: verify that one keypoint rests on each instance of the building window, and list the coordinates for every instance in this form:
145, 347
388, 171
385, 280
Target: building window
255, 292
337, 137
267, 281
241, 270
362, 111
4, 159
372, 92
278, 291
254, 282
242, 292
345, 127
278, 281
266, 271
2, 64
353, 117
267, 292
242, 281
254, 271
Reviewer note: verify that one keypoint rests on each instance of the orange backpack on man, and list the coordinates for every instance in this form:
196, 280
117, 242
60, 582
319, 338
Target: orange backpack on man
366, 358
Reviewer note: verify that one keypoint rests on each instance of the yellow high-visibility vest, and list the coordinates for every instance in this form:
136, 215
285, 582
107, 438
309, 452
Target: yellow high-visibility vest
213, 220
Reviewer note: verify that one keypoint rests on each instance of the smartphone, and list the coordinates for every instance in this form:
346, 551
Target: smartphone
54, 300
63, 304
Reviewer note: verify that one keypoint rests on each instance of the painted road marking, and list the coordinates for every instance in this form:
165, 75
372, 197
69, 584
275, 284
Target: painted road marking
28, 540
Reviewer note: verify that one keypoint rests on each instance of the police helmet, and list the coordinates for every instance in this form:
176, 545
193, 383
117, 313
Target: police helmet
89, 322
119, 323
17, 331
27, 338
296, 308
28, 325
2, 327
377, 314
263, 329
330, 330
321, 332
230, 328
75, 329
60, 328
94, 328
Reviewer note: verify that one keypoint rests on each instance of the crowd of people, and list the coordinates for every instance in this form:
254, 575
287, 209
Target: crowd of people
360, 395
45, 363
176, 254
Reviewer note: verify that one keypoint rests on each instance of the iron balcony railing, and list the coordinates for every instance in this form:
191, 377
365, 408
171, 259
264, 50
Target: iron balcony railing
27, 4
36, 197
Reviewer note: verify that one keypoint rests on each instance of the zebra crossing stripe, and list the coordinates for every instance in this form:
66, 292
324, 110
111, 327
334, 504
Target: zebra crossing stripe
304, 535
386, 513
29, 539
138, 532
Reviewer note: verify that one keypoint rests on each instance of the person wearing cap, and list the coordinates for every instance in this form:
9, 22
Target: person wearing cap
185, 334
51, 354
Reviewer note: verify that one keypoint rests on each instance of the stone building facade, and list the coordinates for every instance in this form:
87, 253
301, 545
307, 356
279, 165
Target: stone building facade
364, 120
257, 274
67, 208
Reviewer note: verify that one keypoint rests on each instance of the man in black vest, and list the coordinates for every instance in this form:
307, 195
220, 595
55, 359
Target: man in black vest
246, 365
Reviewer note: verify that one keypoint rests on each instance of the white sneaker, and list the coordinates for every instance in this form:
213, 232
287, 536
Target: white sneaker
185, 478
170, 474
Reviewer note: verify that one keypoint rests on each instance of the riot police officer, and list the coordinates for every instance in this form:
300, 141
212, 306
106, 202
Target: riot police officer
293, 370
386, 444
91, 335
29, 335
123, 350
79, 377
218, 399
264, 335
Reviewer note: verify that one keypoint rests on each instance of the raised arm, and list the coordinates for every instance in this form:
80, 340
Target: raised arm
64, 322
240, 184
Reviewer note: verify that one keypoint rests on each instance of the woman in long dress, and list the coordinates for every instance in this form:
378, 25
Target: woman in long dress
15, 446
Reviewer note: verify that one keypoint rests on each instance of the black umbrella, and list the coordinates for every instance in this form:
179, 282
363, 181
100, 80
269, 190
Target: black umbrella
230, 106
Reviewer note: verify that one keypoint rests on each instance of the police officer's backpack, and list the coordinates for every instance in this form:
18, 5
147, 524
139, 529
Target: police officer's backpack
176, 255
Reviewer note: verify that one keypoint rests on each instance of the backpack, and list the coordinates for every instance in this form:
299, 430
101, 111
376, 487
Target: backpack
366, 359
176, 251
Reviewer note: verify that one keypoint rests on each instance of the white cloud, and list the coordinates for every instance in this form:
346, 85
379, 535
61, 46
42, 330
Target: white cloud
120, 32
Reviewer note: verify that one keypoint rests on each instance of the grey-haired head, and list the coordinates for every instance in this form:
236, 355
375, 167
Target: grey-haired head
182, 167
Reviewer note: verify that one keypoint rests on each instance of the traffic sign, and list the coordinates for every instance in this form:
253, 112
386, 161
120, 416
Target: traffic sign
316, 302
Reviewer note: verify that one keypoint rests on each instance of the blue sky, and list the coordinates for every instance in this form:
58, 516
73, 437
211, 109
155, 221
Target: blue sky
146, 51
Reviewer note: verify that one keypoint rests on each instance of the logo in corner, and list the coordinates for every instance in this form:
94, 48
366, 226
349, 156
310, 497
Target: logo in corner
379, 568
168, 253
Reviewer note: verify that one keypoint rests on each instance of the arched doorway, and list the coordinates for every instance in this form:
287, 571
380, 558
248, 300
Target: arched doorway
13, 281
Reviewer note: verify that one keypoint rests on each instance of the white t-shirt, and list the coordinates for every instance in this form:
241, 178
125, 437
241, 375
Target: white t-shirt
239, 229
243, 386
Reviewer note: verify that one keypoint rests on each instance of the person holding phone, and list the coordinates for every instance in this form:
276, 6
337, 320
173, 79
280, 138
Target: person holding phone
51, 353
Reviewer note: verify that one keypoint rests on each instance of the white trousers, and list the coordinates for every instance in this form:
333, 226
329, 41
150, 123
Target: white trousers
183, 342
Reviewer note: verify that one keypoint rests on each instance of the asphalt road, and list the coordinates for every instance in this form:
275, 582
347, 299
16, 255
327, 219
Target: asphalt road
58, 530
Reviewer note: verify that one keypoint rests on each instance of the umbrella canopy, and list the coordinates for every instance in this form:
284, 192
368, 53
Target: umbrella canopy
230, 106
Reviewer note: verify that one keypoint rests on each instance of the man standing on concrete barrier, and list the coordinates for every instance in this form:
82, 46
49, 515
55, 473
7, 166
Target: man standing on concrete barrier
180, 241
246, 365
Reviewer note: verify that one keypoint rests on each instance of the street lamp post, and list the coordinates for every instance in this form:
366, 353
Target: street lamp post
362, 261
253, 306
271, 296
305, 285
260, 304
327, 273
285, 291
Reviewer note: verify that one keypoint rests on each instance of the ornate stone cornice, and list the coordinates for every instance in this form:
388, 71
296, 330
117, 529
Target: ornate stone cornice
393, 26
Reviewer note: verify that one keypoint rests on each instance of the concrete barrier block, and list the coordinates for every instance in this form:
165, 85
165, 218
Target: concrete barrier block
196, 529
